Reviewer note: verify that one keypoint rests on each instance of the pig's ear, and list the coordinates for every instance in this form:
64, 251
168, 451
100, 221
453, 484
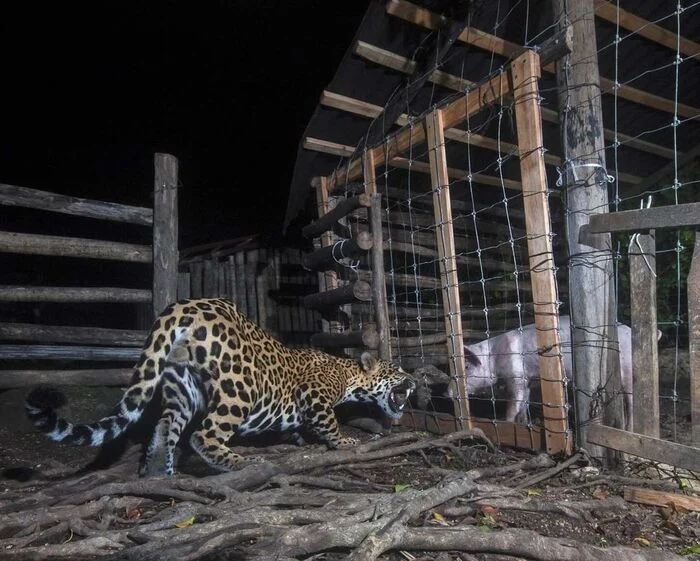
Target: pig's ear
471, 357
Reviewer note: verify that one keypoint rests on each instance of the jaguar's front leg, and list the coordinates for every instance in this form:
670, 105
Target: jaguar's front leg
317, 414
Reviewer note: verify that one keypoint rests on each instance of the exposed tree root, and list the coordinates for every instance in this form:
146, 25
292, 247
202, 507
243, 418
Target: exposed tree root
301, 502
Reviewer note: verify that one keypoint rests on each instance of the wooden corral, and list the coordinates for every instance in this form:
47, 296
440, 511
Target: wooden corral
268, 284
49, 336
486, 143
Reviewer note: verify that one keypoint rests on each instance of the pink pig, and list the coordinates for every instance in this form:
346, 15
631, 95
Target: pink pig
512, 357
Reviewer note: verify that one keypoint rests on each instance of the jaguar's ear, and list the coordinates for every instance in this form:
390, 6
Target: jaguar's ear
368, 361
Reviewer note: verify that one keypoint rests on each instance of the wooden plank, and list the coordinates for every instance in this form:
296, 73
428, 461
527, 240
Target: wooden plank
241, 293
327, 280
63, 246
70, 352
165, 232
66, 294
526, 71
346, 294
645, 354
12, 195
679, 455
694, 340
671, 216
329, 219
381, 310
608, 11
501, 433
449, 279
661, 498
71, 334
397, 62
477, 38
251, 272
10, 379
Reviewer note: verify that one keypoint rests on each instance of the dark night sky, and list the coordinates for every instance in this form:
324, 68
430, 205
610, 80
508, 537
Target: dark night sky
92, 90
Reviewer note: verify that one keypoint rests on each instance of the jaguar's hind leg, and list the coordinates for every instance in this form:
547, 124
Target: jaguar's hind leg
182, 399
210, 443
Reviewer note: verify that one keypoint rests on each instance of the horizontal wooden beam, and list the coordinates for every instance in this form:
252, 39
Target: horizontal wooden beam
10, 379
477, 38
61, 246
670, 216
358, 291
71, 334
679, 455
70, 352
326, 257
12, 195
368, 337
609, 12
371, 111
398, 63
340, 210
69, 294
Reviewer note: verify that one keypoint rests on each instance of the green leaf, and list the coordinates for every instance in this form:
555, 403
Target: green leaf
534, 493
401, 487
688, 549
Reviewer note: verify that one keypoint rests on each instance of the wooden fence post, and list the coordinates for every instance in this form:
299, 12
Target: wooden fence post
645, 355
165, 232
694, 336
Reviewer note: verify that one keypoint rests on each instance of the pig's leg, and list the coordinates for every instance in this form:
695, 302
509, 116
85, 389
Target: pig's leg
517, 387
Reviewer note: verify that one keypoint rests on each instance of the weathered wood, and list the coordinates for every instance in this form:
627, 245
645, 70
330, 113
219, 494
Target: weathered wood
71, 352
526, 71
326, 257
210, 279
196, 277
165, 232
368, 338
183, 285
241, 292
449, 279
381, 310
679, 455
590, 270
72, 294
661, 498
251, 273
10, 379
503, 433
645, 354
71, 334
694, 340
402, 64
12, 195
645, 28
341, 209
261, 288
62, 246
508, 49
346, 294
672, 216
557, 46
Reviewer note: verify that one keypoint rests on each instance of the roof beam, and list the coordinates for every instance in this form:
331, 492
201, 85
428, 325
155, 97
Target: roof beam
639, 26
477, 38
336, 149
371, 111
401, 64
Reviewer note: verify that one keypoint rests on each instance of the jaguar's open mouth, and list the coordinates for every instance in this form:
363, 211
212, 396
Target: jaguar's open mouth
399, 394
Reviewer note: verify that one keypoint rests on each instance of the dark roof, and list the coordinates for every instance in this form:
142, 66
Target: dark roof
639, 62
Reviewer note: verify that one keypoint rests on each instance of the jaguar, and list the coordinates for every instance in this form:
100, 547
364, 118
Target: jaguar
211, 369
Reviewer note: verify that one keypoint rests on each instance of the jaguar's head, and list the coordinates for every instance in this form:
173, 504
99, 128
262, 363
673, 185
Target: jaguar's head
382, 383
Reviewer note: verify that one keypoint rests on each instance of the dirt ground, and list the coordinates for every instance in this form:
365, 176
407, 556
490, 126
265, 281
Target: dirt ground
29, 461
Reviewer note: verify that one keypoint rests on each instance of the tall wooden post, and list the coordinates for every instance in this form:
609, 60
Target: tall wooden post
526, 71
381, 309
591, 296
445, 240
694, 336
165, 234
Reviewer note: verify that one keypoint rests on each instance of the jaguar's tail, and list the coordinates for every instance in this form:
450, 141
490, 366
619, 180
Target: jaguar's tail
41, 405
